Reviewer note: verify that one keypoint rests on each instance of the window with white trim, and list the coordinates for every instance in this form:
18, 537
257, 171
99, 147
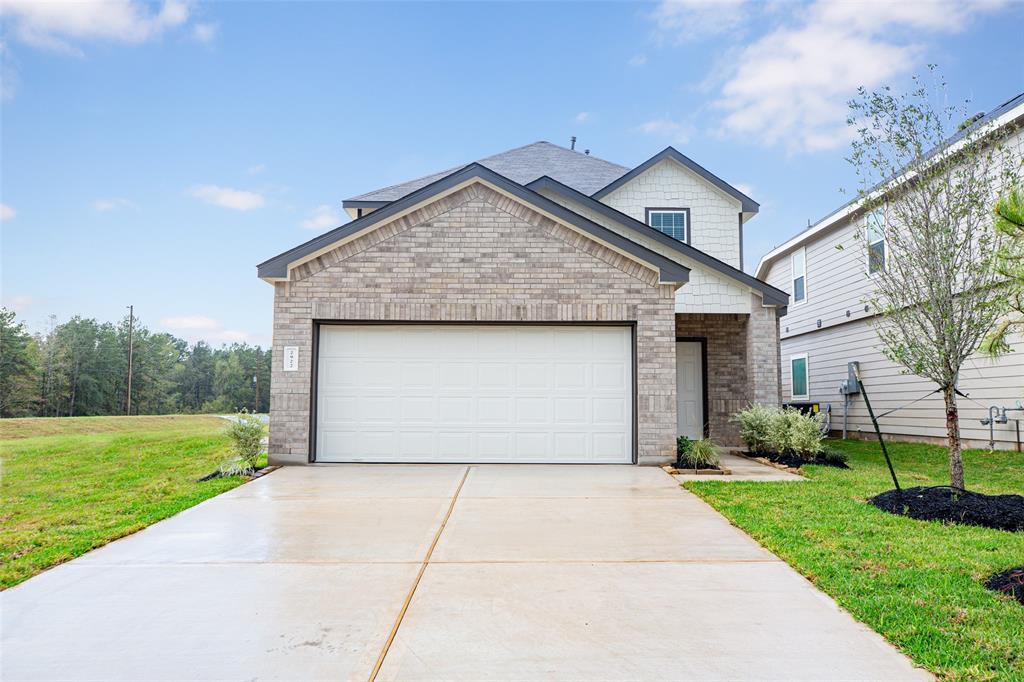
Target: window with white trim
799, 377
798, 263
673, 222
877, 248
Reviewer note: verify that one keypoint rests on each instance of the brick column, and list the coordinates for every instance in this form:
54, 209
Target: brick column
763, 369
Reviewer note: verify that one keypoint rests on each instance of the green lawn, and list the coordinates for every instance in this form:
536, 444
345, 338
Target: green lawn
918, 583
72, 484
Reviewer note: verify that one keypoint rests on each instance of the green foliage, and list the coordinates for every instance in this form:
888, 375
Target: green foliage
755, 423
683, 446
1009, 222
832, 455
784, 431
245, 434
918, 583
18, 359
701, 455
80, 368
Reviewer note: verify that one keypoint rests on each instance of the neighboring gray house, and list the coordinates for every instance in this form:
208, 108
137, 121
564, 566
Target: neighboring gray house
827, 272
539, 305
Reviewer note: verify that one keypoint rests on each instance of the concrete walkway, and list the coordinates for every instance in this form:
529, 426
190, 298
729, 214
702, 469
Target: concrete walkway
743, 469
438, 572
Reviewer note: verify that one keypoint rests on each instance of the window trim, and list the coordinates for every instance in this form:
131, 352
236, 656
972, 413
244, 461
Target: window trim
807, 377
883, 239
685, 210
793, 276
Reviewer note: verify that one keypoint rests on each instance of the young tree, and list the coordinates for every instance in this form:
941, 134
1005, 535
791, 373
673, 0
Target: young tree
936, 286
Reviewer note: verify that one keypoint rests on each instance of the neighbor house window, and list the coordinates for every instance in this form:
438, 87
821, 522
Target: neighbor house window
798, 262
675, 222
798, 377
876, 242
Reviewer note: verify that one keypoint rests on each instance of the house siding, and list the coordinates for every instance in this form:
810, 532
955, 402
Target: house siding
706, 292
475, 256
714, 215
834, 326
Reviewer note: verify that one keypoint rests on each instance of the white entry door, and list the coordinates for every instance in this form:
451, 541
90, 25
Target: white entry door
690, 389
468, 393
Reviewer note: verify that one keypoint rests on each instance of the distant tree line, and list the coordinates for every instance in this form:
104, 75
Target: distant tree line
80, 368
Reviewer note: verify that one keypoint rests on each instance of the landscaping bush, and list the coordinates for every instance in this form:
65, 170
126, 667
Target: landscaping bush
246, 447
701, 455
772, 430
755, 424
683, 447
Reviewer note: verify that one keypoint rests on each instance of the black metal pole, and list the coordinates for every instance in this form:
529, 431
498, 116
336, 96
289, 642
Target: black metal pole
878, 431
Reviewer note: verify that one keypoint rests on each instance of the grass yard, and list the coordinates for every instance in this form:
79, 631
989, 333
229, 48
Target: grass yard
918, 583
73, 484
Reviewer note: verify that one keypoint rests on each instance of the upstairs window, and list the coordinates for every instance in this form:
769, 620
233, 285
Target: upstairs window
877, 251
675, 222
798, 262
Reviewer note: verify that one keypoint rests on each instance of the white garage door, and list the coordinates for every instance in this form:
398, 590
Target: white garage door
459, 393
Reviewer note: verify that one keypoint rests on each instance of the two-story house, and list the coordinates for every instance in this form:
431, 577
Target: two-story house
828, 270
538, 305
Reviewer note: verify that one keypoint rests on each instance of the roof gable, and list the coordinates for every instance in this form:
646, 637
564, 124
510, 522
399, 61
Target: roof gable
769, 294
521, 165
747, 204
278, 267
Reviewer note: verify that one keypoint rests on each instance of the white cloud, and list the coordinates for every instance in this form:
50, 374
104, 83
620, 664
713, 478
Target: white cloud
745, 188
683, 20
666, 128
227, 197
637, 60
6, 212
194, 328
103, 205
582, 117
18, 304
790, 87
205, 33
58, 26
257, 169
322, 217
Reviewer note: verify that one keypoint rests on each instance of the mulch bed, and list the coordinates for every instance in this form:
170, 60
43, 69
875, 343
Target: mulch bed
794, 462
942, 503
1009, 582
252, 477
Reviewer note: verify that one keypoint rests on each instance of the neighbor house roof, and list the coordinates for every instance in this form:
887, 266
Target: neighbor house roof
277, 267
1006, 113
523, 165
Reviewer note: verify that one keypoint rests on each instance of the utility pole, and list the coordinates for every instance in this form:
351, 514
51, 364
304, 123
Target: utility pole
131, 325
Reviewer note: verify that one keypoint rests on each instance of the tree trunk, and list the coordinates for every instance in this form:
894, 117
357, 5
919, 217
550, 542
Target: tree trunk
956, 462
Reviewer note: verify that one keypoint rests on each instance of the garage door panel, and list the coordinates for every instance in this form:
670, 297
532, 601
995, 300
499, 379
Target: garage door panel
462, 393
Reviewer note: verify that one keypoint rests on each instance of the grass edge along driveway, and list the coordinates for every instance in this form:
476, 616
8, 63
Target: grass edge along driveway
85, 481
917, 583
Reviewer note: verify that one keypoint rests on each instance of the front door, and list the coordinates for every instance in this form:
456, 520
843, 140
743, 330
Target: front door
690, 389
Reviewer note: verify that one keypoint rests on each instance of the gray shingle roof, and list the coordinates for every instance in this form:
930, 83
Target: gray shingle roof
523, 165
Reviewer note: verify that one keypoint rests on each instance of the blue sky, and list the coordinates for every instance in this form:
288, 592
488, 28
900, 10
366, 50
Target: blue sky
152, 154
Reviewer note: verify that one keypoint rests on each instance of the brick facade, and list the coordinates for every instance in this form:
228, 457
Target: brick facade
475, 255
742, 364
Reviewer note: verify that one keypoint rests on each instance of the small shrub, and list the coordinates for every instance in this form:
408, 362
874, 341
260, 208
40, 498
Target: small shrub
702, 455
683, 447
803, 434
833, 456
246, 435
755, 424
772, 430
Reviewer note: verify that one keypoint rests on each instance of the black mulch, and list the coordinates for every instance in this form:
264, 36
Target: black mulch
1009, 582
942, 503
795, 462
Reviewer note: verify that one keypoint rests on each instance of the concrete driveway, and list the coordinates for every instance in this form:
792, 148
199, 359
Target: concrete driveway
438, 572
